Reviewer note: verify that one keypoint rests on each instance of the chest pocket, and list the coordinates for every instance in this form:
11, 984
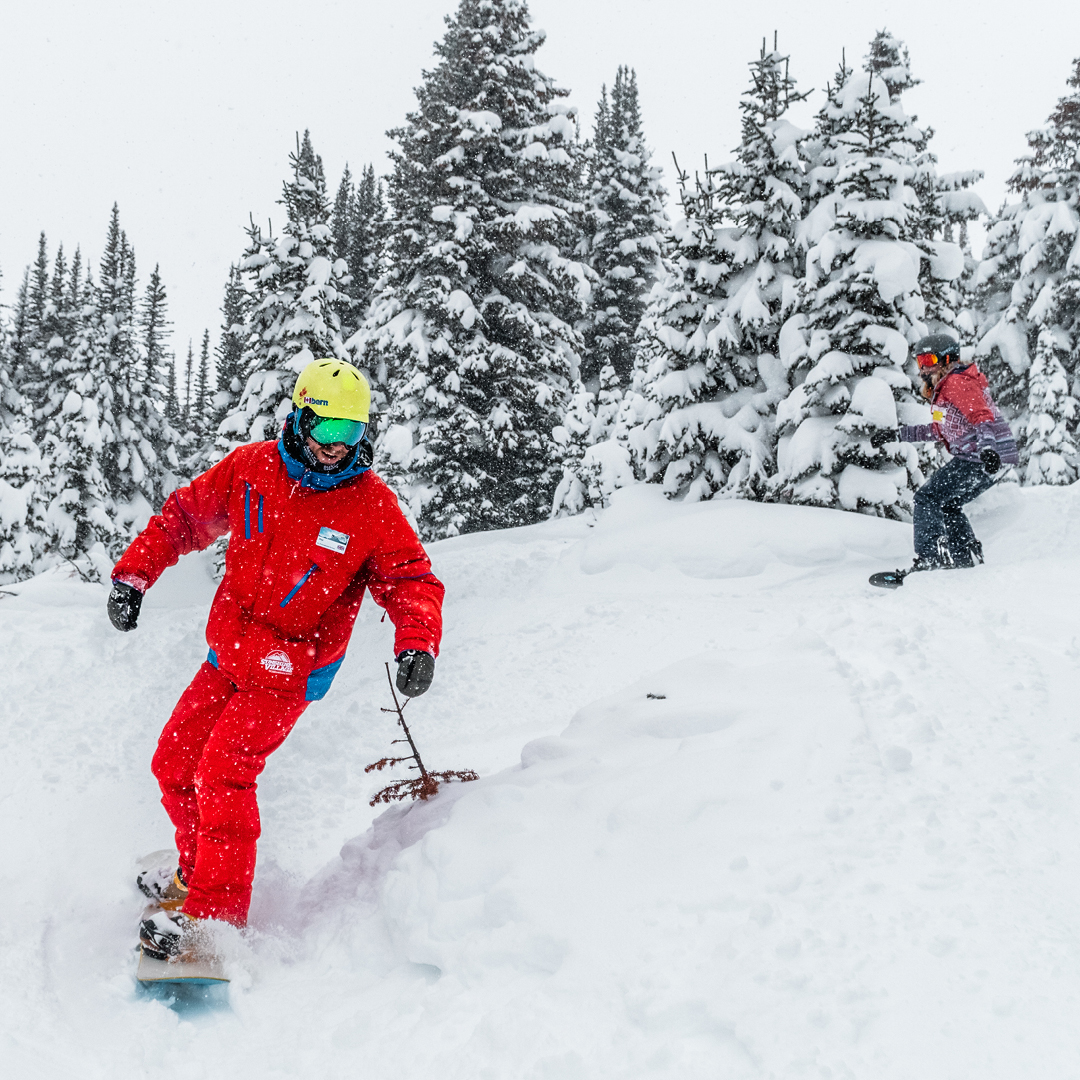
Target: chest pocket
327, 572
253, 512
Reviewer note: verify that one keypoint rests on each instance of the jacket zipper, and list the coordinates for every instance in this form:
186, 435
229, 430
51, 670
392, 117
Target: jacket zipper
247, 512
296, 588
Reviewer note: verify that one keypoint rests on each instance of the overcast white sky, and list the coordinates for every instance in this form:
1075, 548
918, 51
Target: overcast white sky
185, 112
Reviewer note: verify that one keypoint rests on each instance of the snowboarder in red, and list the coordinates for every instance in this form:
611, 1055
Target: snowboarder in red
310, 528
970, 426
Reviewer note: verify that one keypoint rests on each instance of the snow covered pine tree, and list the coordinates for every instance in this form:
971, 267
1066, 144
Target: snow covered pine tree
847, 346
21, 527
292, 305
627, 230
1029, 290
626, 237
83, 389
138, 459
360, 229
472, 326
228, 376
709, 370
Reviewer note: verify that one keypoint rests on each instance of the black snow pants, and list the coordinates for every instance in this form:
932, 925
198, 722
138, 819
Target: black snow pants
942, 531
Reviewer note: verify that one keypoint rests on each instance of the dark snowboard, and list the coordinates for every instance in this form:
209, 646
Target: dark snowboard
889, 579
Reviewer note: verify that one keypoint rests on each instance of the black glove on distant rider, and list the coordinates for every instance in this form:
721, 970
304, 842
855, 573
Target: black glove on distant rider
880, 438
991, 460
415, 671
124, 604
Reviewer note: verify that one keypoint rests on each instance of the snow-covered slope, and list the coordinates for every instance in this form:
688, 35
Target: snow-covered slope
740, 815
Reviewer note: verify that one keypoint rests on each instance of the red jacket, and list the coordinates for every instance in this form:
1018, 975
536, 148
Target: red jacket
296, 569
965, 419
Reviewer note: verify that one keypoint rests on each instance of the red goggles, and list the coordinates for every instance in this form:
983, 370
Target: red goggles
929, 360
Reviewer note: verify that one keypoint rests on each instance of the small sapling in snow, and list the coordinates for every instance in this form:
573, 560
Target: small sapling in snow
416, 787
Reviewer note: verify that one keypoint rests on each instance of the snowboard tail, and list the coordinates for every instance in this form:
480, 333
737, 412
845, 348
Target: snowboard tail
196, 973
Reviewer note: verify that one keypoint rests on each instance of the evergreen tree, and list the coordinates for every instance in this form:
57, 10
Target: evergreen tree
1029, 286
28, 475
946, 203
367, 246
158, 364
20, 334
709, 367
473, 320
20, 470
199, 401
597, 460
860, 302
625, 243
174, 410
229, 365
30, 376
343, 226
39, 284
292, 306
360, 232
8, 398
594, 154
138, 444
946, 206
81, 517
189, 375
627, 227
55, 335
341, 217
21, 521
77, 507
1049, 434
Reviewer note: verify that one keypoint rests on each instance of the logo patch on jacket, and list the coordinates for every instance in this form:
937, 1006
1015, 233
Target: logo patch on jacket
332, 539
278, 662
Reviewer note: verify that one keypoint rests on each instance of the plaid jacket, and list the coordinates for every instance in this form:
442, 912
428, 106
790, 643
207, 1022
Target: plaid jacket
965, 419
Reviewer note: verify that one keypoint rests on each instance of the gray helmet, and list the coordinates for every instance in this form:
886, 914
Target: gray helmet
943, 346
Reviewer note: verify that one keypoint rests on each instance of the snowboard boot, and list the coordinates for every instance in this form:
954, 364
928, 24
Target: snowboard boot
169, 892
172, 935
972, 557
942, 559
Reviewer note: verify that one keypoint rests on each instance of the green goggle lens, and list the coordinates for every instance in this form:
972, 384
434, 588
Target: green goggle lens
332, 430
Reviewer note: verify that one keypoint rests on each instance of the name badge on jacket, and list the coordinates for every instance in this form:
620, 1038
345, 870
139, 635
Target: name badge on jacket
332, 539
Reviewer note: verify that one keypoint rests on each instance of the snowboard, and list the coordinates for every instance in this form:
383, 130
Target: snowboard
199, 973
154, 872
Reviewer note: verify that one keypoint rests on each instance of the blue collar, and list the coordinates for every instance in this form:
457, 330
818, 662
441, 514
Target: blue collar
318, 481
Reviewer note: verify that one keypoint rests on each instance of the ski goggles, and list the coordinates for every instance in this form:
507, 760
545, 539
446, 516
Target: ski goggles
329, 429
927, 360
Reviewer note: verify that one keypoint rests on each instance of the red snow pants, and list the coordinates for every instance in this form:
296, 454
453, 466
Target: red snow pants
207, 762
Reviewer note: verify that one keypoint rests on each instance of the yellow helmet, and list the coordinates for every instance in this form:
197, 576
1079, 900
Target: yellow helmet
332, 400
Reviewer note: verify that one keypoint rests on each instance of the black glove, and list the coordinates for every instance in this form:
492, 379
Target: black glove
415, 671
124, 604
880, 438
991, 460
